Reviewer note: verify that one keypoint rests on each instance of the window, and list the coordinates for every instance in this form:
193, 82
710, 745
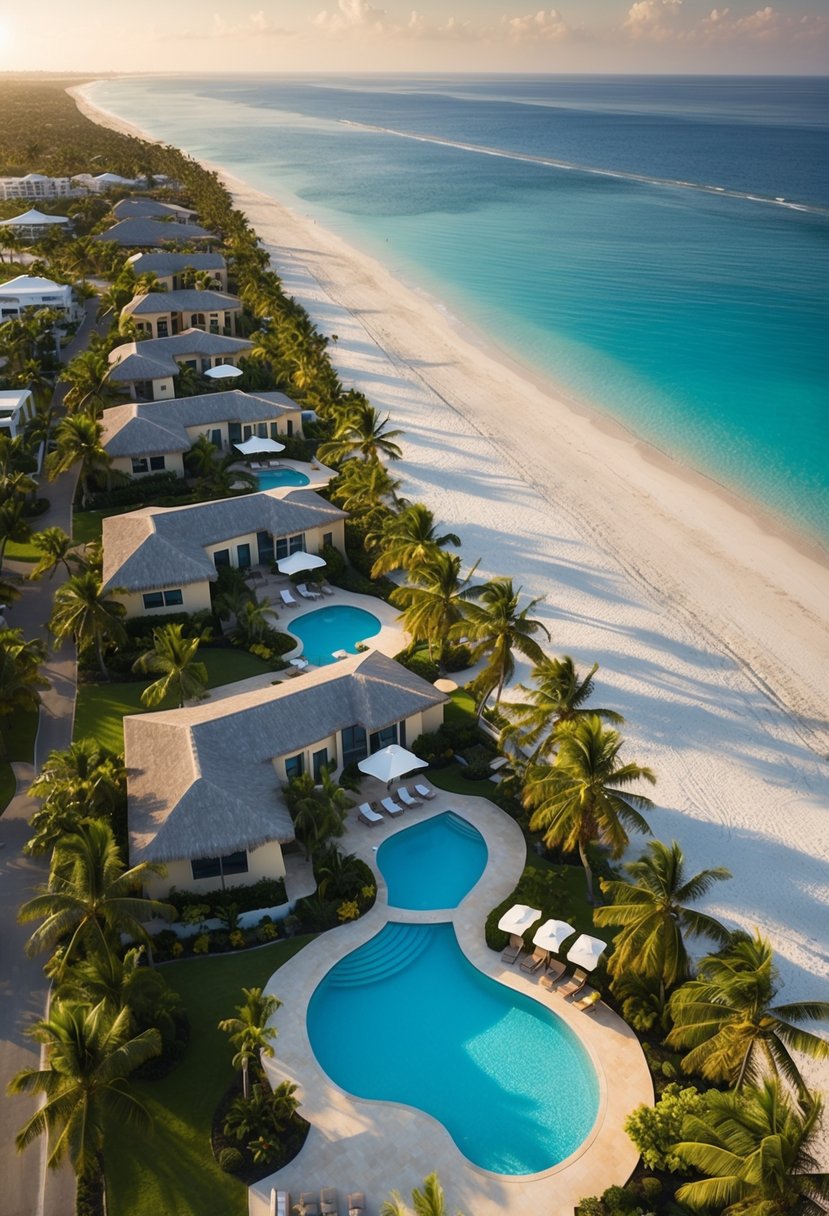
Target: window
139, 464
295, 766
163, 599
234, 432
383, 738
248, 431
264, 543
262, 430
320, 761
153, 599
157, 463
162, 327
354, 744
243, 556
274, 430
221, 558
290, 544
289, 427
328, 539
220, 867
197, 320
216, 438
173, 599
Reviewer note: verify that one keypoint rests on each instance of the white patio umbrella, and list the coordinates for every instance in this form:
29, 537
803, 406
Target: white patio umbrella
391, 762
518, 918
258, 443
224, 371
552, 935
295, 562
586, 951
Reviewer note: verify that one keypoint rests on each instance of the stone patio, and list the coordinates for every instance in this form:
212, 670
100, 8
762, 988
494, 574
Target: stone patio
376, 1147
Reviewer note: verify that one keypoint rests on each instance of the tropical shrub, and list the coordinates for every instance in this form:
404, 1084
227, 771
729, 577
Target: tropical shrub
202, 944
420, 664
349, 909
142, 489
230, 1160
655, 1130
266, 893
457, 658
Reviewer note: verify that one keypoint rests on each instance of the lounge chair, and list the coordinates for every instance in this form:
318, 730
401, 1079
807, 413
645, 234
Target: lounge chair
423, 791
328, 1201
280, 1203
406, 798
325, 589
589, 1002
287, 598
308, 1205
256, 464
555, 970
356, 1203
305, 593
298, 664
391, 807
510, 953
533, 962
367, 815
574, 984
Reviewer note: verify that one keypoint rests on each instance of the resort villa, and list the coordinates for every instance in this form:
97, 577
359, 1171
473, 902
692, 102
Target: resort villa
30, 291
176, 270
36, 186
151, 209
146, 369
17, 406
160, 314
163, 559
33, 225
152, 233
151, 437
204, 782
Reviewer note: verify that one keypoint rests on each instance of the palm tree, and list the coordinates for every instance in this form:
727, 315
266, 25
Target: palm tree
759, 1152
365, 489
90, 898
56, 548
428, 1202
582, 797
726, 1018
253, 620
174, 657
83, 782
337, 873
89, 388
650, 908
362, 433
434, 604
78, 440
201, 457
83, 610
496, 628
558, 696
408, 540
88, 1058
20, 678
13, 523
250, 1032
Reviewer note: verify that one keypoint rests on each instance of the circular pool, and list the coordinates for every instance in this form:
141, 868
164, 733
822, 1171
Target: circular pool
335, 627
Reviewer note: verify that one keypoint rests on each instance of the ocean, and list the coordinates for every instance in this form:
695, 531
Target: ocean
657, 246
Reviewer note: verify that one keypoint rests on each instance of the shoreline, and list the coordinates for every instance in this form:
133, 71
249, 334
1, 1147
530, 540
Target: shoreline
710, 629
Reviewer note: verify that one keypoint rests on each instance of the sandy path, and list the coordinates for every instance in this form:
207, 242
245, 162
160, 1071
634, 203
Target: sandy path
710, 623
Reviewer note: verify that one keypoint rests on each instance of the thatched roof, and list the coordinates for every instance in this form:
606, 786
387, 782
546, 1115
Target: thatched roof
153, 303
169, 263
201, 781
151, 428
157, 547
154, 358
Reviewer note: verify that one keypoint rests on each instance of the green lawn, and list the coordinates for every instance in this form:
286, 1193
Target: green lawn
100, 708
174, 1170
18, 743
86, 525
22, 551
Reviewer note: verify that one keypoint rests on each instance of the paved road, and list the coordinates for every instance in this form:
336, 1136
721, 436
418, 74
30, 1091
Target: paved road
23, 988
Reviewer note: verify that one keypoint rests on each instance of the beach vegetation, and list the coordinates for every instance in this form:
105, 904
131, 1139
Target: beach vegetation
250, 1033
363, 433
496, 629
173, 659
55, 548
432, 603
408, 541
426, 1201
84, 781
559, 694
21, 680
93, 617
730, 1030
78, 441
583, 797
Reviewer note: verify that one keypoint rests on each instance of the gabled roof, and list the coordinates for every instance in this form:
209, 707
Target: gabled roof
33, 283
34, 217
156, 357
153, 232
153, 427
164, 546
201, 781
153, 303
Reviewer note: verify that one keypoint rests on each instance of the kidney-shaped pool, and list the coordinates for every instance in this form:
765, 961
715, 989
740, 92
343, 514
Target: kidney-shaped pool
434, 863
407, 1018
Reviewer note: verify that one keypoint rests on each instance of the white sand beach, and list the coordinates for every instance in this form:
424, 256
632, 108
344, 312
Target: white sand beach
709, 622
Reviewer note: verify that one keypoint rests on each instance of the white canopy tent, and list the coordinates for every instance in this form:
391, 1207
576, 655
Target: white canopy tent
586, 951
552, 935
294, 563
224, 371
390, 763
517, 919
258, 443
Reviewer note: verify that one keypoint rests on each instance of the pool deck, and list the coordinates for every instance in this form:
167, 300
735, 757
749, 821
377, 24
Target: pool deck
357, 1144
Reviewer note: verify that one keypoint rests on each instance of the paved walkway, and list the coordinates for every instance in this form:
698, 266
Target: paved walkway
377, 1147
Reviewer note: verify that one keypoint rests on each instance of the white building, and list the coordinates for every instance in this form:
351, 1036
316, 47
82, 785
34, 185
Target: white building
103, 182
36, 186
17, 406
33, 225
28, 291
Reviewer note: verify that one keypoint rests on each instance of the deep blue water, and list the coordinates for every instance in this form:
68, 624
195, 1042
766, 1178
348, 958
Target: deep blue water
657, 246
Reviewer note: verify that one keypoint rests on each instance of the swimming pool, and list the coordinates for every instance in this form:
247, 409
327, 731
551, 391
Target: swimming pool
433, 864
407, 1018
281, 477
336, 627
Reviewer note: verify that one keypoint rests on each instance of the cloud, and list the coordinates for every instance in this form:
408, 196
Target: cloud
767, 25
652, 19
537, 27
254, 25
352, 16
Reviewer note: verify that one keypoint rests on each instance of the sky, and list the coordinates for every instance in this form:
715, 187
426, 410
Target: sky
661, 36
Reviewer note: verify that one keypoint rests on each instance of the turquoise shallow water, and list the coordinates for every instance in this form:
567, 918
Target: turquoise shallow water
335, 627
281, 477
433, 864
407, 1018
658, 246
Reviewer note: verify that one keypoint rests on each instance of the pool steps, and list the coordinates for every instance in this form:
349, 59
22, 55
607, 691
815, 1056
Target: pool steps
397, 947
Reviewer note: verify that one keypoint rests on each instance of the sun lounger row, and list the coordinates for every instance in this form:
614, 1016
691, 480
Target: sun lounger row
554, 971
309, 1205
305, 591
367, 814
